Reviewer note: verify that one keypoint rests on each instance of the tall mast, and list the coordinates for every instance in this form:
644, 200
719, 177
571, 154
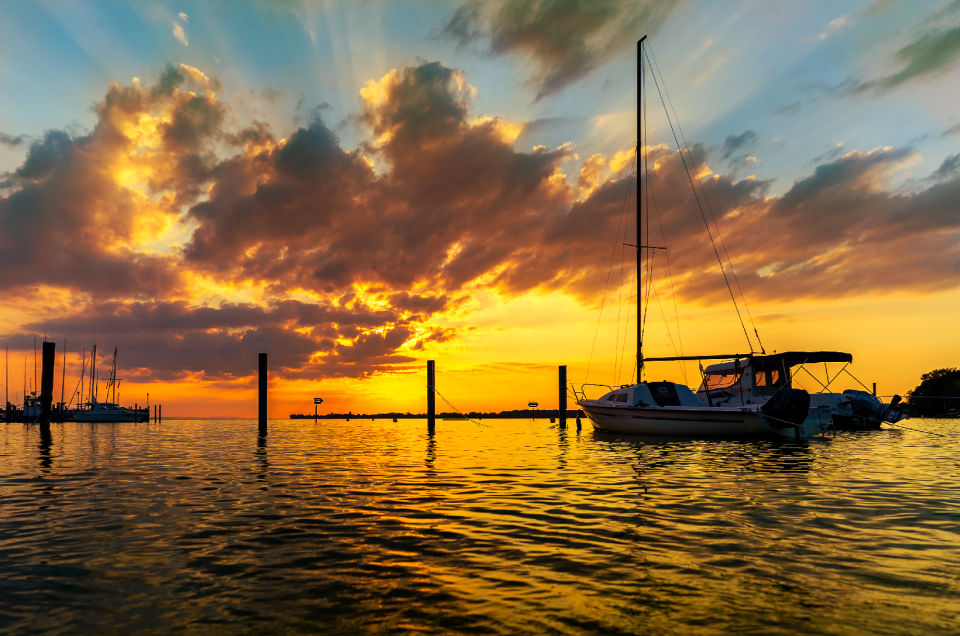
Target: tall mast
639, 191
83, 372
113, 376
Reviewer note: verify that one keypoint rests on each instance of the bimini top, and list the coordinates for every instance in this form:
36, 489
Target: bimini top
793, 358
783, 360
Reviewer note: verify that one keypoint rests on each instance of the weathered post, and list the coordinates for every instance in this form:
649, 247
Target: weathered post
562, 419
159, 413
46, 383
431, 397
262, 411
63, 381
154, 413
874, 389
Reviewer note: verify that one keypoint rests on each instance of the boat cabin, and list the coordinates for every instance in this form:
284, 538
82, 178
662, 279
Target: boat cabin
652, 394
754, 379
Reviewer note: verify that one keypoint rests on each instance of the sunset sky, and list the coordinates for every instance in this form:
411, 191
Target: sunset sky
358, 187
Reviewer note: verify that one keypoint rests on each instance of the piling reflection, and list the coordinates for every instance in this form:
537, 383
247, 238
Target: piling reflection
263, 463
563, 444
431, 456
45, 446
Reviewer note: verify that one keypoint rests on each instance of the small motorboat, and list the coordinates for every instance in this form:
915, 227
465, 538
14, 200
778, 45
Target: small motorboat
754, 379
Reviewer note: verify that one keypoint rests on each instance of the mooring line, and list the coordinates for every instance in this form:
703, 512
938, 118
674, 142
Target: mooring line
458, 410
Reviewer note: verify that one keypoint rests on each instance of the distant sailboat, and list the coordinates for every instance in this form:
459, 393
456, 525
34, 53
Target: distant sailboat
95, 411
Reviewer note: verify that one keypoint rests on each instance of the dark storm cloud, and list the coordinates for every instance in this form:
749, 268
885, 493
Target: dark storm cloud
564, 39
931, 54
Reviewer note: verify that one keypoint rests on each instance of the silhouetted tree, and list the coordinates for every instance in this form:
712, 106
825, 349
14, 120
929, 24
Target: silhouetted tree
945, 382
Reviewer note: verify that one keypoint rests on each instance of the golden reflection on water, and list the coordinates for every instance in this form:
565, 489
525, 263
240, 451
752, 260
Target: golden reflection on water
510, 528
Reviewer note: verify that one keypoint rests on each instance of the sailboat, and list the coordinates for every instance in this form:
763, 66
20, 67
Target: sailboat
672, 409
95, 411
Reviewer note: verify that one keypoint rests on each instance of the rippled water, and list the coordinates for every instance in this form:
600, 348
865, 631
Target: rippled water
511, 528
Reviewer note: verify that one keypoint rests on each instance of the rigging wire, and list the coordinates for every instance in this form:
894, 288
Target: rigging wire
669, 335
703, 214
709, 207
623, 354
616, 348
613, 254
673, 291
643, 135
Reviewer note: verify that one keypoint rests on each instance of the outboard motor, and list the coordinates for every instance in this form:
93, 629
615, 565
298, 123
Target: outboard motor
788, 405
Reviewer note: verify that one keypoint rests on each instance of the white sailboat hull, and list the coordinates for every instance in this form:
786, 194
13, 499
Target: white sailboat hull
685, 421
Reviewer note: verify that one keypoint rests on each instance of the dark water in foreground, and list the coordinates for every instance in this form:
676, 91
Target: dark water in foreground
198, 527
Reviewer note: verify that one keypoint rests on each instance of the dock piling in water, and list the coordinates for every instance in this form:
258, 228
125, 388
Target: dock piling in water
46, 382
431, 397
562, 407
262, 410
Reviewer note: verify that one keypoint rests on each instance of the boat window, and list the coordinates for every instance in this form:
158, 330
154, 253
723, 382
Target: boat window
617, 397
769, 382
719, 380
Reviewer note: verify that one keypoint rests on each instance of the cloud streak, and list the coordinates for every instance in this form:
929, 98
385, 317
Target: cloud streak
563, 40
931, 54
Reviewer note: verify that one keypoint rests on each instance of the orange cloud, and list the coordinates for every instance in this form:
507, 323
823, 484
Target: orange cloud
343, 271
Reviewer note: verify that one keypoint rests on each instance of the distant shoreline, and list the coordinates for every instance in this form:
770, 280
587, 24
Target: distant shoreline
506, 415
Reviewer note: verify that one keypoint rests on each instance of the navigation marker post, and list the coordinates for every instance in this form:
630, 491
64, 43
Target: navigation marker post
316, 402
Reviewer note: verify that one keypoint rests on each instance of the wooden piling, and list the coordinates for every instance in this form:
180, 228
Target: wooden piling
154, 413
46, 383
63, 381
431, 397
562, 381
159, 413
874, 389
262, 407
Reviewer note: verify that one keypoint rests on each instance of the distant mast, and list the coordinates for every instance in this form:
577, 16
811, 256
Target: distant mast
639, 190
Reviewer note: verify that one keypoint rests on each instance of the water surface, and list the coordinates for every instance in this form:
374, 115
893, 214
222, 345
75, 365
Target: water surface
514, 527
